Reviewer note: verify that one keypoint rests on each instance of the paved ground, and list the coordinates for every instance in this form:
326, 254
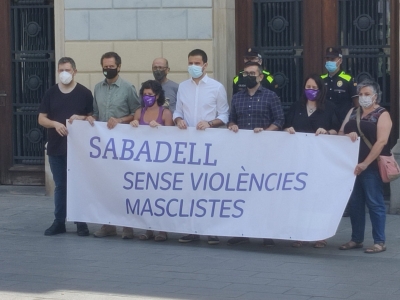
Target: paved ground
33, 266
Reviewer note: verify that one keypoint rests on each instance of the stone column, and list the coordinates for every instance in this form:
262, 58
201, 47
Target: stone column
395, 185
224, 43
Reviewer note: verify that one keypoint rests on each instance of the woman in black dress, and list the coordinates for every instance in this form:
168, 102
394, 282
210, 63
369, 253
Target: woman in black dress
312, 114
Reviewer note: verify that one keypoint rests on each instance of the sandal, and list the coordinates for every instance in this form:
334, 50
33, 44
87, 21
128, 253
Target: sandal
146, 236
161, 237
320, 244
376, 248
351, 245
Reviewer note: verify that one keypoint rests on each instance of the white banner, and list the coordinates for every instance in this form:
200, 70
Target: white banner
212, 182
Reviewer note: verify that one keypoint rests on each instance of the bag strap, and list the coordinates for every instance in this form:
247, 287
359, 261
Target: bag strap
366, 141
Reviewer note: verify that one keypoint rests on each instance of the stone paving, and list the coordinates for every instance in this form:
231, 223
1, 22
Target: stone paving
33, 266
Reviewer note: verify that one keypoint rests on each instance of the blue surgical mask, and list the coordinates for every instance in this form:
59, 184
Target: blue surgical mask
195, 71
331, 66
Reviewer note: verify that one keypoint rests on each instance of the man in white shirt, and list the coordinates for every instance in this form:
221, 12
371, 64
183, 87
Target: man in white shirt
202, 103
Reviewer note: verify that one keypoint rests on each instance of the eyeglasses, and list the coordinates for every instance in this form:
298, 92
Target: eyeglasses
245, 74
159, 68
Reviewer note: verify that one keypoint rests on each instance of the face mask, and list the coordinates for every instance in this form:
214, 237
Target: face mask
148, 100
311, 94
65, 77
365, 101
110, 73
331, 66
159, 75
251, 81
195, 71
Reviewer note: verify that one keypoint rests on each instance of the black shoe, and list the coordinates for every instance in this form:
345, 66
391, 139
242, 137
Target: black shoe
238, 240
213, 240
82, 229
55, 228
189, 238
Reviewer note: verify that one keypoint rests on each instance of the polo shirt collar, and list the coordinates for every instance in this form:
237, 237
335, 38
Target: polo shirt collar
117, 83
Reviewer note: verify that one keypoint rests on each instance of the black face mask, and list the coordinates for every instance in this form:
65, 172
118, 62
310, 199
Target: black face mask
251, 81
159, 75
110, 73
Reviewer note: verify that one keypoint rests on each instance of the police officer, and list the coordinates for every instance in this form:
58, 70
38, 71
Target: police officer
341, 87
268, 82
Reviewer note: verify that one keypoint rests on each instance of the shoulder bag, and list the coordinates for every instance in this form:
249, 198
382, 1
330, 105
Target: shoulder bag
388, 167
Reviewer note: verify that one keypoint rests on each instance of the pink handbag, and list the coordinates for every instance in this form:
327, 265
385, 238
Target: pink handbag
388, 168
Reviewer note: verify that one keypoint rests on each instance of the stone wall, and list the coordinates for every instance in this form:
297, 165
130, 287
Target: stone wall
140, 31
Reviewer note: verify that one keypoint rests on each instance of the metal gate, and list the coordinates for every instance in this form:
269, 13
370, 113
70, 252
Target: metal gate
32, 49
278, 34
364, 32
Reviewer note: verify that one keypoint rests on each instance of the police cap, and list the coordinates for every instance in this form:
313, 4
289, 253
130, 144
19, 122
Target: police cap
333, 52
252, 52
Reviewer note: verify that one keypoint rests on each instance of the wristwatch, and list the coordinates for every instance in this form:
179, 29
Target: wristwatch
211, 123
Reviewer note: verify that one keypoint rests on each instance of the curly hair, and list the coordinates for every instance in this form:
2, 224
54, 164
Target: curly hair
156, 87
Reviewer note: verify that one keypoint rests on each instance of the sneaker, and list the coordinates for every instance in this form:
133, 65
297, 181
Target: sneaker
55, 228
189, 238
238, 240
106, 230
213, 240
268, 242
82, 229
127, 233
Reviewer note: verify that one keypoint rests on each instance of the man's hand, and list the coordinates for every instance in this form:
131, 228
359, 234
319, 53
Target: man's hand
202, 125
234, 128
91, 120
112, 122
60, 128
258, 129
75, 117
181, 123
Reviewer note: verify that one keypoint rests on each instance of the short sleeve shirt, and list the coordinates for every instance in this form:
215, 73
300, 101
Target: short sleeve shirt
59, 107
340, 89
116, 100
170, 89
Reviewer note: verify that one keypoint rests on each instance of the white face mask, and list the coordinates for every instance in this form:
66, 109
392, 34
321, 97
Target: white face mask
65, 77
365, 101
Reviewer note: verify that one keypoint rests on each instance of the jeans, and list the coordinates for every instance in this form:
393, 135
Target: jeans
368, 191
58, 166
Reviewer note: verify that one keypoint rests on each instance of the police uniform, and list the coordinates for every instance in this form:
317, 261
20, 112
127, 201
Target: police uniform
267, 82
341, 87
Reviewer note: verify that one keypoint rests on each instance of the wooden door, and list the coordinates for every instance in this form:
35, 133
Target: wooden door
292, 36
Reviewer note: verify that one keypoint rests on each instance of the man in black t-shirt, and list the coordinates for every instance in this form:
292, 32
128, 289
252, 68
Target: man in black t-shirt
65, 100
